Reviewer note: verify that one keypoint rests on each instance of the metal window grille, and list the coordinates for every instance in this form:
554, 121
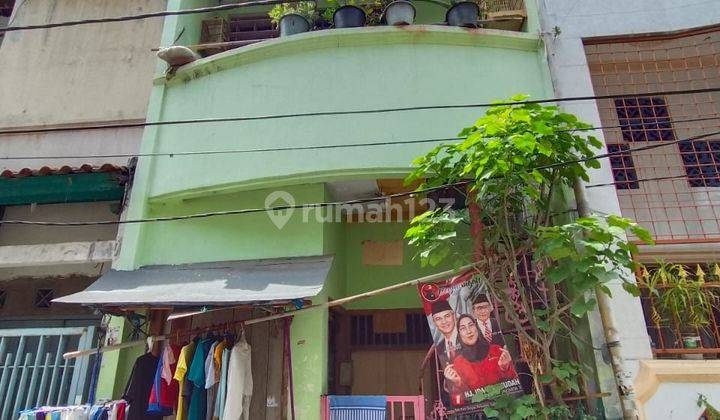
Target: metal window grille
701, 159
6, 8
666, 334
3, 298
33, 372
685, 204
416, 332
43, 298
623, 167
251, 28
644, 119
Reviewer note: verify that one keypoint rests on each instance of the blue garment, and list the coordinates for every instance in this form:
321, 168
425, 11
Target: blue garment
361, 407
222, 389
155, 403
196, 378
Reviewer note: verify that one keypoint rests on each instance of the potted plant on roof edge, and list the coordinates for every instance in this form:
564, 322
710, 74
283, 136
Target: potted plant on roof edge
293, 18
682, 298
399, 12
463, 13
353, 13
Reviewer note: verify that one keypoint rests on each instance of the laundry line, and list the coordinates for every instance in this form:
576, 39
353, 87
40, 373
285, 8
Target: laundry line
329, 304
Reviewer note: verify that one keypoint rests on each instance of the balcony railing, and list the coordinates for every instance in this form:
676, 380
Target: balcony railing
403, 407
223, 33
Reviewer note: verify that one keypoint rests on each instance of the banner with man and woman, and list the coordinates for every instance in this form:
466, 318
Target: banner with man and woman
469, 343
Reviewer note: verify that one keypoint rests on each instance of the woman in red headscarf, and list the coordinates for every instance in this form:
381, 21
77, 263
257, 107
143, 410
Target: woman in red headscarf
479, 363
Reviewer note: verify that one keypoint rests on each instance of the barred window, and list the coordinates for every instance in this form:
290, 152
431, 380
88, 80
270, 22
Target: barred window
701, 159
623, 167
644, 119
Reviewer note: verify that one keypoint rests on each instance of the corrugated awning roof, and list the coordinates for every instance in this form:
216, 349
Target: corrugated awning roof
63, 170
218, 283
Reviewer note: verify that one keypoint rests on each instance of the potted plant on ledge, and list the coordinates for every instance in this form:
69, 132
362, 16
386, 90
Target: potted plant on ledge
682, 298
293, 18
463, 13
352, 13
399, 12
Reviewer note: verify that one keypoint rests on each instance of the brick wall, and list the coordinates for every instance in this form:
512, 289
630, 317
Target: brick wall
685, 204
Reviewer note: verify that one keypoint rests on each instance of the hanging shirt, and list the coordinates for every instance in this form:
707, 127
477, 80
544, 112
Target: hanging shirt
210, 380
164, 396
222, 387
183, 364
196, 376
137, 391
239, 382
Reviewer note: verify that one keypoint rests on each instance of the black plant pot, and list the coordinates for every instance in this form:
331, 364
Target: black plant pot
292, 24
464, 13
400, 12
349, 17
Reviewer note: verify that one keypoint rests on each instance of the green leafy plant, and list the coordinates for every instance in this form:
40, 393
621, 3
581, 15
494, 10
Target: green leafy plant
682, 296
305, 9
517, 163
711, 413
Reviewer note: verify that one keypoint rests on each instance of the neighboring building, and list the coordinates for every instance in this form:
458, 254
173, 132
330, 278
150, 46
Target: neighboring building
618, 47
62, 78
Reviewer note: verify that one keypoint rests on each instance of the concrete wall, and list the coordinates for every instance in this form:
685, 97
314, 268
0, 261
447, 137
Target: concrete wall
102, 70
31, 235
564, 25
74, 76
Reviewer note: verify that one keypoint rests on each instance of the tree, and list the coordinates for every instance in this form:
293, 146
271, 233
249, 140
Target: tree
516, 165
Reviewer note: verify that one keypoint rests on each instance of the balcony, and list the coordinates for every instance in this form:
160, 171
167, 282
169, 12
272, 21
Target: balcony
229, 30
362, 68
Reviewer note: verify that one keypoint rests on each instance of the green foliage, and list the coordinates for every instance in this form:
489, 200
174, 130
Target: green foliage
373, 9
515, 160
435, 233
588, 253
507, 407
711, 412
681, 296
305, 9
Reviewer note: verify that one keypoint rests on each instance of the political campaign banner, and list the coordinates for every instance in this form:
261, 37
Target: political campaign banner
469, 343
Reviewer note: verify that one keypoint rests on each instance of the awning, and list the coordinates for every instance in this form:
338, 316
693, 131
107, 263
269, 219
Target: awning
217, 283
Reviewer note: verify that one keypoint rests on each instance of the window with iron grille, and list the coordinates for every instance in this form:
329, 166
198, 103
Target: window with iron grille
250, 29
3, 298
43, 298
701, 159
417, 333
644, 119
6, 8
623, 167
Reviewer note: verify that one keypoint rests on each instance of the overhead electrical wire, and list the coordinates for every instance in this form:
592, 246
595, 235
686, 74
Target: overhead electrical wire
327, 204
143, 16
311, 147
353, 112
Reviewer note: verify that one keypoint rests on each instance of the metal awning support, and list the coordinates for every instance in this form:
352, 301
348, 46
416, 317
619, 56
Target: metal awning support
329, 304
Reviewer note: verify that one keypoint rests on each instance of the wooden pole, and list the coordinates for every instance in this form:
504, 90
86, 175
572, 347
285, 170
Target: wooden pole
338, 302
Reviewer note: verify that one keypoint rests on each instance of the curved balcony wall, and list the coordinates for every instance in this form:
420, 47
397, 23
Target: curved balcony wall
332, 70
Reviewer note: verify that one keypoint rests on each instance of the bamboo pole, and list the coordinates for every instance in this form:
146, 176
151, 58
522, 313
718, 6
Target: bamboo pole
329, 304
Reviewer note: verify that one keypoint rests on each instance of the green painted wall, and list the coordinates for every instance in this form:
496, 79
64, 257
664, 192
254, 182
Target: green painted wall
353, 69
235, 237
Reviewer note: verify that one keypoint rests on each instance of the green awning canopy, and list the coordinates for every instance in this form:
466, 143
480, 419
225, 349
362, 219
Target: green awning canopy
61, 188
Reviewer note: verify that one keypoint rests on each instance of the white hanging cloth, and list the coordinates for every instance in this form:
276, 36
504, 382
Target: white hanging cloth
239, 382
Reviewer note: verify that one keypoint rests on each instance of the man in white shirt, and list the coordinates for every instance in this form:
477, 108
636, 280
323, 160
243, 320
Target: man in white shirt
488, 325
